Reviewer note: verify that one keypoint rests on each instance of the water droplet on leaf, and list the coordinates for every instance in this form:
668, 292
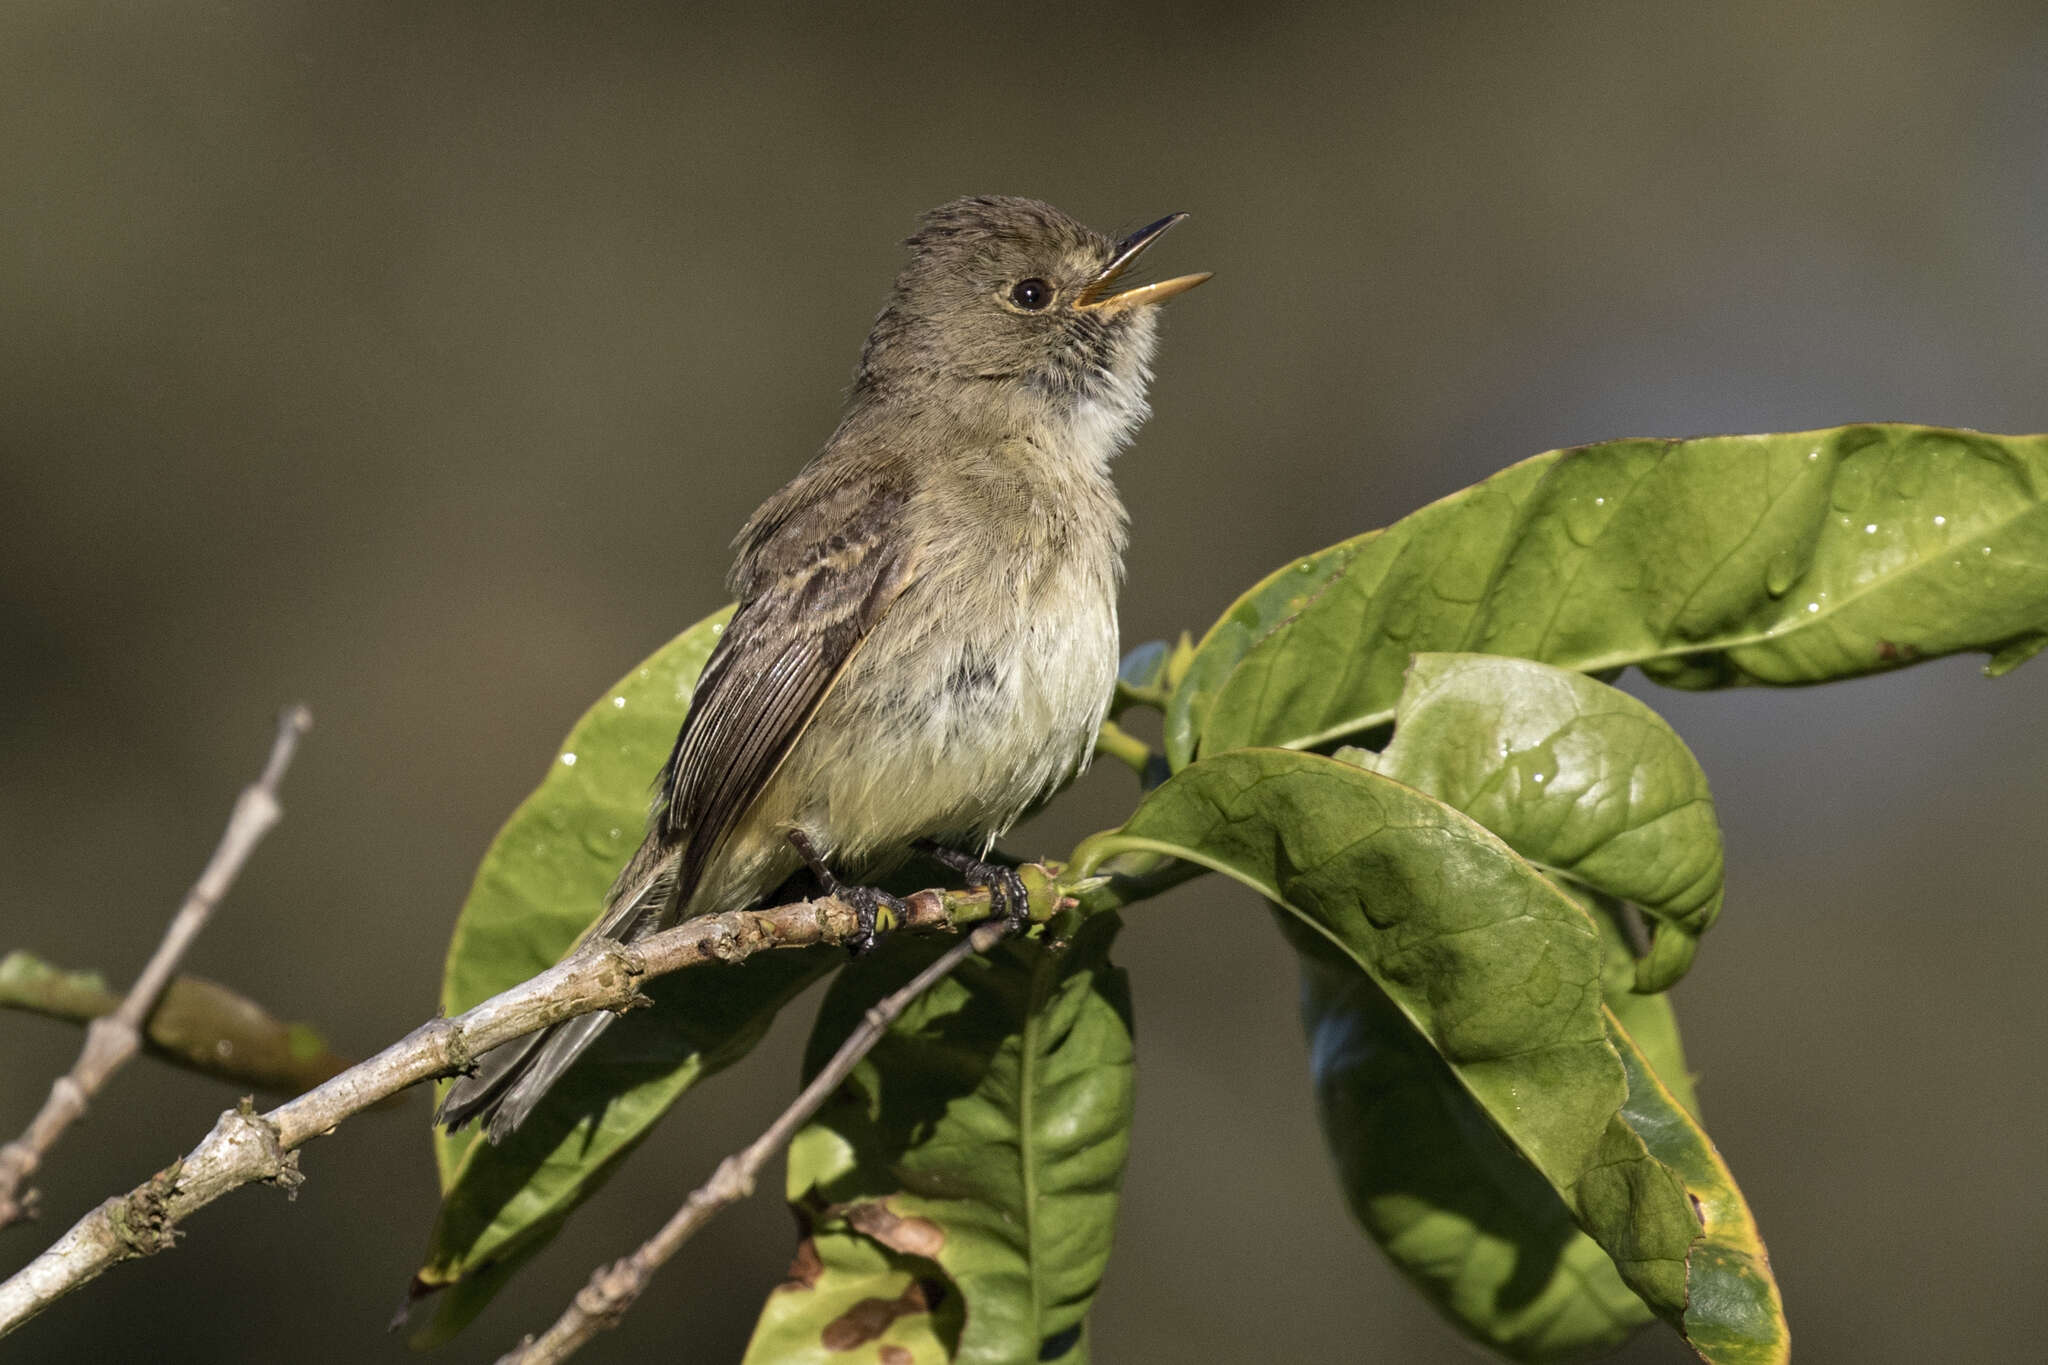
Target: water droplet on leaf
1781, 573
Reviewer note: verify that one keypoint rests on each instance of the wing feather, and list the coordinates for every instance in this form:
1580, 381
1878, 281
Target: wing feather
819, 567
821, 578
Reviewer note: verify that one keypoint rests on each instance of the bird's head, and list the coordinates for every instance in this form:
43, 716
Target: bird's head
1011, 300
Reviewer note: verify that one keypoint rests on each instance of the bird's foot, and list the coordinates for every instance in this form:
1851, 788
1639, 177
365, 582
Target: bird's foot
868, 902
1008, 897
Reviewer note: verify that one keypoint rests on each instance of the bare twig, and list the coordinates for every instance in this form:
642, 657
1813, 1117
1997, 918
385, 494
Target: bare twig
600, 1304
110, 1041
245, 1147
200, 1025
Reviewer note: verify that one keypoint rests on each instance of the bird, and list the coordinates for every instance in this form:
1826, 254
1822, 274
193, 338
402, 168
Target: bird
925, 641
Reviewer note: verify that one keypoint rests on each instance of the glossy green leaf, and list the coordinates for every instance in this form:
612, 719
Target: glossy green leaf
1577, 777
1587, 781
1779, 559
1474, 1226
1501, 973
1480, 1233
963, 1183
1648, 1017
541, 883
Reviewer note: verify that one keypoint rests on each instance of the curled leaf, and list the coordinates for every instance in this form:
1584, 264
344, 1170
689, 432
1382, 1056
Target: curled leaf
1501, 973
1579, 778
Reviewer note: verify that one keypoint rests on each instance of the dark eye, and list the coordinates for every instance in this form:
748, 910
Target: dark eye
1031, 295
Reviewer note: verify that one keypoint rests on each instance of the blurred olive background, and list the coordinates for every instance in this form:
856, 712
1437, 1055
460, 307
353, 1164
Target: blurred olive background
418, 361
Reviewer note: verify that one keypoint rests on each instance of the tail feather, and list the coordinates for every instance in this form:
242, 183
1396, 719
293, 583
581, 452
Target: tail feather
511, 1079
478, 1092
565, 1042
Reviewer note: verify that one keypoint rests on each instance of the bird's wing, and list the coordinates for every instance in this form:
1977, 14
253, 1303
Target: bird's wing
815, 580
820, 564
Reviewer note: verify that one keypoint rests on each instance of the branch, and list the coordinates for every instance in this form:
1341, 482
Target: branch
600, 1304
199, 1025
245, 1147
112, 1040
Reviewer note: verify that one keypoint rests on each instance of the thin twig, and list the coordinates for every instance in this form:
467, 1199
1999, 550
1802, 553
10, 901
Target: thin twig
600, 1304
245, 1147
110, 1041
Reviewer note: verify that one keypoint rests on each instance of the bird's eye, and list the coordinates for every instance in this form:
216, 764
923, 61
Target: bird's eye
1031, 295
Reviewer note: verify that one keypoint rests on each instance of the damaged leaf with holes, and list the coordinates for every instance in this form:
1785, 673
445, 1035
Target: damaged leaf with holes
959, 1192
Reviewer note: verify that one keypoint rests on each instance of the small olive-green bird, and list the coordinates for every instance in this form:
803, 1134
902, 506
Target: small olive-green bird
926, 636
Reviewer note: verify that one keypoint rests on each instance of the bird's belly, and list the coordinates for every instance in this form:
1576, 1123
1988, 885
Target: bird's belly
957, 736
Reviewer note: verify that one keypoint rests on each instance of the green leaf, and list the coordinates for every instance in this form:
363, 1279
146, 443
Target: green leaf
1477, 1230
1271, 604
1780, 559
1578, 778
541, 883
1648, 1018
1474, 1226
1501, 972
962, 1185
1733, 1313
1590, 782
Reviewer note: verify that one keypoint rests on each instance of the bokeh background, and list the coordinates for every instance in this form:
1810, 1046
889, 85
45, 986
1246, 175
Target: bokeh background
418, 361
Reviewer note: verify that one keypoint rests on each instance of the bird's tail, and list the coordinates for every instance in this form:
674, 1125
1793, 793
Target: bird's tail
512, 1078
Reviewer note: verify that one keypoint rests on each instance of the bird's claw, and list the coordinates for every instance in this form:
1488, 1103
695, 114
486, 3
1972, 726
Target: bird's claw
1008, 898
868, 903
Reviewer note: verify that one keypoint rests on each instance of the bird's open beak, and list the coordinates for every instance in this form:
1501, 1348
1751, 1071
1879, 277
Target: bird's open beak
1100, 294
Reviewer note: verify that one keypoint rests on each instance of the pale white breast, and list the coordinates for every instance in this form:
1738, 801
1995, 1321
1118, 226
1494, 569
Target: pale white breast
976, 725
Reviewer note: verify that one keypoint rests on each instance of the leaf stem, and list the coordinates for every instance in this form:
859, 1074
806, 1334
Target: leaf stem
1113, 741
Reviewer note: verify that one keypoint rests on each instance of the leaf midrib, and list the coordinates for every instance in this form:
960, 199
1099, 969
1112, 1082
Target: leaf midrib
1665, 650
